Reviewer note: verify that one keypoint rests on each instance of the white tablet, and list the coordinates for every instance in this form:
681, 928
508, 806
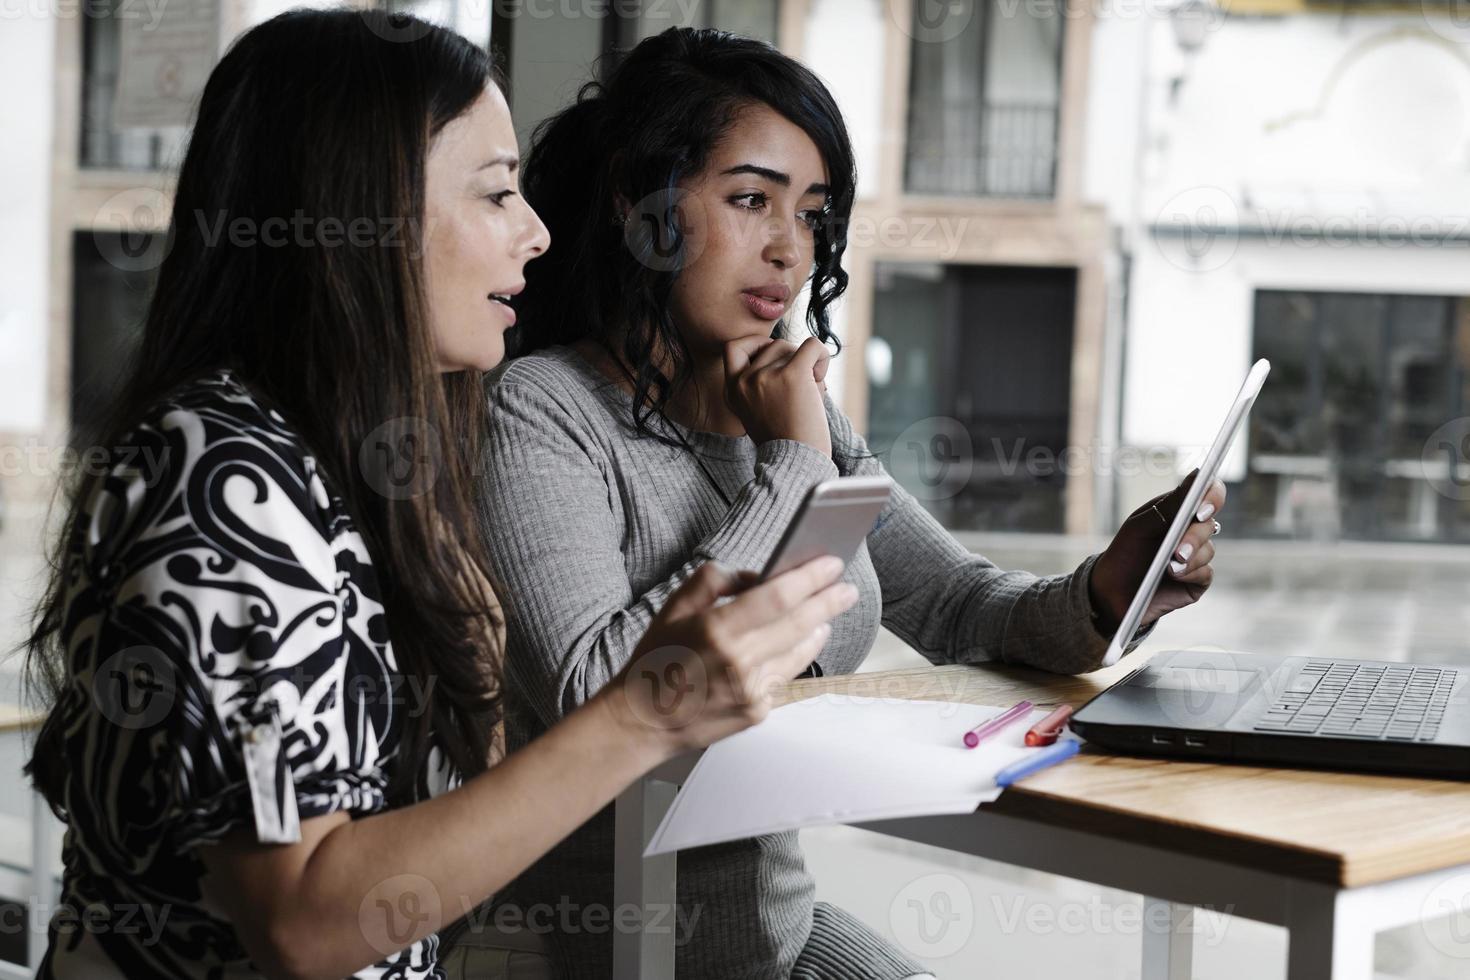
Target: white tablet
1207, 473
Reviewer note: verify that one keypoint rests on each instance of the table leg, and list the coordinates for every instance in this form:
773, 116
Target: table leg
1168, 953
1330, 934
648, 885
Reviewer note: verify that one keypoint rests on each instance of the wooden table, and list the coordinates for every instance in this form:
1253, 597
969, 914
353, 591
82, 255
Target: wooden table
1332, 857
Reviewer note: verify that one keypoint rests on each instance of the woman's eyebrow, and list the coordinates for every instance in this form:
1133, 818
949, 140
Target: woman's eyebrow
774, 176
506, 160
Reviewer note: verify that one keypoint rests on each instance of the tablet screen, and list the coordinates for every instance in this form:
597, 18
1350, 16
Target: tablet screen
1177, 528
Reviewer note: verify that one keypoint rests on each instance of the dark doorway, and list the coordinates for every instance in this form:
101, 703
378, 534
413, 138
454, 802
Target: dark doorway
969, 391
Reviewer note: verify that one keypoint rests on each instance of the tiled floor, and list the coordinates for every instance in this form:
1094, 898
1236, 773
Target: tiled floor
1379, 601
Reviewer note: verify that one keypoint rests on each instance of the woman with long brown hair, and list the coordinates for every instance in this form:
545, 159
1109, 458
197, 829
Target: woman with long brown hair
270, 636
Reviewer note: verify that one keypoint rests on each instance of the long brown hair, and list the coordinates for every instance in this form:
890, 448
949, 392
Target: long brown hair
316, 117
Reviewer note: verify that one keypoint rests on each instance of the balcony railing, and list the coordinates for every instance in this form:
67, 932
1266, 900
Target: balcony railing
973, 149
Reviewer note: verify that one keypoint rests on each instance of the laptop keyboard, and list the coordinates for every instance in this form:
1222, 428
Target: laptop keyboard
1398, 702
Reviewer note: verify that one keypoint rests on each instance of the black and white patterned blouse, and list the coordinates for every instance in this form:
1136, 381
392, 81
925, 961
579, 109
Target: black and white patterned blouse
230, 668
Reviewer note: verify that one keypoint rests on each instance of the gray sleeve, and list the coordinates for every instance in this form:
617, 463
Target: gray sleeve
955, 606
551, 518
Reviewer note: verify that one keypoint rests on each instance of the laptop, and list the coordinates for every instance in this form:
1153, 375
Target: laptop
1309, 711
1247, 707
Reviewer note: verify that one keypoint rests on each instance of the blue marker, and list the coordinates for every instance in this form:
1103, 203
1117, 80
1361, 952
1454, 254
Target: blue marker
1048, 756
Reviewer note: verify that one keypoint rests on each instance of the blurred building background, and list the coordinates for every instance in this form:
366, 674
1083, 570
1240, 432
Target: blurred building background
1079, 221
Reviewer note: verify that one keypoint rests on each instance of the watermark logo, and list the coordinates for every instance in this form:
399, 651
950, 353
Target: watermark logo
1446, 459
135, 688
1450, 19
666, 687
933, 458
656, 229
402, 458
1205, 692
1198, 229
1445, 917
933, 916
932, 21
398, 909
129, 229
1099, 917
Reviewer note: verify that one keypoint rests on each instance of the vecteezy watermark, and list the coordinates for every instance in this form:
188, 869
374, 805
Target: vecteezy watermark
1210, 689
149, 10
130, 229
1200, 229
302, 230
666, 687
145, 922
655, 13
654, 10
397, 910
933, 916
669, 229
932, 21
402, 458
938, 21
576, 918
36, 458
1096, 917
1450, 19
1446, 459
921, 236
945, 692
136, 687
666, 230
1445, 916
935, 459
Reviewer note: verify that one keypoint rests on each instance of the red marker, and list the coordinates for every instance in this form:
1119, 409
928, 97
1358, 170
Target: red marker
1050, 728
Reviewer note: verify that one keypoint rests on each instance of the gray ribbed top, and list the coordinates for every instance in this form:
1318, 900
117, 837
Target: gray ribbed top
591, 528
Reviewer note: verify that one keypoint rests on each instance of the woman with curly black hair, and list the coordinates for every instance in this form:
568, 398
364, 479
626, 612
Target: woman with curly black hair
658, 419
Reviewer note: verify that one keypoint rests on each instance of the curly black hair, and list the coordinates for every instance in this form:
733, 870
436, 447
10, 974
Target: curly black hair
633, 139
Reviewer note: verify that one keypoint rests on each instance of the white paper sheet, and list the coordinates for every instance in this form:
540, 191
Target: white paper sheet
840, 759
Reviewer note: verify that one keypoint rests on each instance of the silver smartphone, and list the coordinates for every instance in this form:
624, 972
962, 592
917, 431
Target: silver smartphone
834, 519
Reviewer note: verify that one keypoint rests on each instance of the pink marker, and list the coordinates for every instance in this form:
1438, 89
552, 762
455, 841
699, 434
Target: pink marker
987, 728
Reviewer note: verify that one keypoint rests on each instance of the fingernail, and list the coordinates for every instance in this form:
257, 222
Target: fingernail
1205, 512
822, 632
1185, 550
849, 592
831, 565
1177, 567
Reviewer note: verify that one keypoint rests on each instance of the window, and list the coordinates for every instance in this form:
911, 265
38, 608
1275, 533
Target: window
969, 390
984, 91
105, 145
1347, 438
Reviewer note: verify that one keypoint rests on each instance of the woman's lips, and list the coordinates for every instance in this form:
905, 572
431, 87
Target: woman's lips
506, 310
763, 308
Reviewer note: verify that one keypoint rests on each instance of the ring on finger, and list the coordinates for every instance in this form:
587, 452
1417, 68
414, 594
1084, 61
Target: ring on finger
1216, 529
